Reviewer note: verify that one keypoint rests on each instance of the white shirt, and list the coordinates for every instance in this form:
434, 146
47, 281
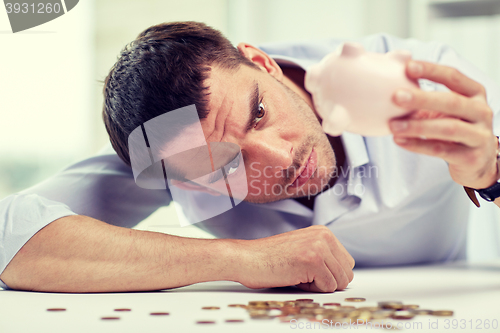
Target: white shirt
391, 207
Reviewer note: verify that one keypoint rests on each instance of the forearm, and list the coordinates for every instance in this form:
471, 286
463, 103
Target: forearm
497, 202
81, 254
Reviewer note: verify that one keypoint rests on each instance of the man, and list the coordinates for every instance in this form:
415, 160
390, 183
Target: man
412, 209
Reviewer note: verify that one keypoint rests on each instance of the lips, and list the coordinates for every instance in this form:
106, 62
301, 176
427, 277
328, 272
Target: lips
308, 170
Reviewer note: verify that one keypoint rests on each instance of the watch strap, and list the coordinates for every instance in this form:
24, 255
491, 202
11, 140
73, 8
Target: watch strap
471, 193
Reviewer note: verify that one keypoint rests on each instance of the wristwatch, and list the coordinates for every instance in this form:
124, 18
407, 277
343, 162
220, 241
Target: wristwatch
490, 193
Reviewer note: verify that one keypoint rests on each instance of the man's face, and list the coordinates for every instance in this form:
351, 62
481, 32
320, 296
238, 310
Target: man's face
286, 153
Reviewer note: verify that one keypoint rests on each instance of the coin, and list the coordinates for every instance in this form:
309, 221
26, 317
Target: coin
159, 313
306, 300
234, 321
355, 299
56, 309
402, 315
205, 322
422, 312
389, 302
237, 306
382, 314
254, 303
110, 318
331, 304
391, 305
122, 310
369, 308
210, 308
308, 305
410, 306
442, 313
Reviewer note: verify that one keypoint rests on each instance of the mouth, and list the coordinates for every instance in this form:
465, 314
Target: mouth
308, 170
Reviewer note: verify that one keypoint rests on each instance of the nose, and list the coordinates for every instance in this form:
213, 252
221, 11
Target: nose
276, 152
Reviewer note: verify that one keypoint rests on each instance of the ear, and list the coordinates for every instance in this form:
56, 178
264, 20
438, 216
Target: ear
190, 186
261, 59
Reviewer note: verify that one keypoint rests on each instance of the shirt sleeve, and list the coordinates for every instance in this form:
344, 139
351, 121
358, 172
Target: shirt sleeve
101, 187
22, 216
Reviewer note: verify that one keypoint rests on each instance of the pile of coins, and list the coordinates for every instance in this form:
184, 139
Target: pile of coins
285, 311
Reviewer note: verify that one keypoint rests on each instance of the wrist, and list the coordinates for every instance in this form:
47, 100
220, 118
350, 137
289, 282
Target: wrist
228, 259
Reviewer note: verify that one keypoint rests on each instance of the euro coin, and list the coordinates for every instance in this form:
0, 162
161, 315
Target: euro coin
331, 304
122, 310
442, 313
422, 312
402, 315
110, 318
237, 306
210, 308
201, 322
355, 299
159, 314
56, 309
306, 300
234, 320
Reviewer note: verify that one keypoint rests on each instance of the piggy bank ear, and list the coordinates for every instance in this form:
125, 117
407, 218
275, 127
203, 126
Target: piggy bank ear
352, 49
401, 55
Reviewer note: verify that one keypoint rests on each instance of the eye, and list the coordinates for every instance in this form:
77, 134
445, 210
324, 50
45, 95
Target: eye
260, 113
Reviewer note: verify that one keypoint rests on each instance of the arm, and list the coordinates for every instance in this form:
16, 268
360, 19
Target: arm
81, 254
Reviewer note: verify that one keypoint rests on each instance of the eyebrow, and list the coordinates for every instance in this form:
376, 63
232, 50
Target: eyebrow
254, 107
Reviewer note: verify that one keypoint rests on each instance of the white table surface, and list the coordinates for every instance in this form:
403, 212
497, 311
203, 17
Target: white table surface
472, 291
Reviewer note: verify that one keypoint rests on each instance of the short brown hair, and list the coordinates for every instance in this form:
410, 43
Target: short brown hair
162, 70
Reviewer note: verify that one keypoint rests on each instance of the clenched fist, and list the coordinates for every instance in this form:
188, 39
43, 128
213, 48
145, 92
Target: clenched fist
311, 258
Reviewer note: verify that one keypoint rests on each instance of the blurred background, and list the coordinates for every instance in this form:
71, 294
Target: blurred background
51, 75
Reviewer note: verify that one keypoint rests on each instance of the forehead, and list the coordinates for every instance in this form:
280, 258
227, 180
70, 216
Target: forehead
228, 99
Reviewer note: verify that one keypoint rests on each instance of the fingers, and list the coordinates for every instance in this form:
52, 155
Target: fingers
323, 281
450, 77
445, 129
338, 253
448, 103
452, 153
339, 272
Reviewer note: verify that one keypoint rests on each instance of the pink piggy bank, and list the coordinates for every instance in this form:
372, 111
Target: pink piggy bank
352, 89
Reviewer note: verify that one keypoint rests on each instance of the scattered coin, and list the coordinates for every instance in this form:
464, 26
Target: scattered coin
234, 321
422, 312
122, 310
355, 299
306, 308
442, 313
159, 314
391, 305
205, 322
110, 318
402, 315
56, 309
210, 308
410, 306
237, 306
